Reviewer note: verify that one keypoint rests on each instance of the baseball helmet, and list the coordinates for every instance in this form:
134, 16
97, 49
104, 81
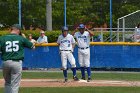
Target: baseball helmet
82, 26
64, 28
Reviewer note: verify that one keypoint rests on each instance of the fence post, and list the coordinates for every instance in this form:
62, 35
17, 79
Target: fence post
118, 32
102, 38
123, 29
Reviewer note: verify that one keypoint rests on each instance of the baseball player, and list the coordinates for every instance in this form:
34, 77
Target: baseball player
83, 40
66, 44
12, 49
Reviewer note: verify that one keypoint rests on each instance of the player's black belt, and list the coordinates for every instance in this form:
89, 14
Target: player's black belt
83, 48
65, 50
14, 60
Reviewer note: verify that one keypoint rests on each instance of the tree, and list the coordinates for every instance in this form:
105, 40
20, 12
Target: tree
33, 12
78, 11
8, 14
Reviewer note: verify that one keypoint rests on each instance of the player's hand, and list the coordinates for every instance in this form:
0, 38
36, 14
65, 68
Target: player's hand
33, 47
72, 50
76, 29
86, 29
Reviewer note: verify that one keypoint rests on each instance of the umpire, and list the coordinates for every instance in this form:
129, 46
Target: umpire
12, 49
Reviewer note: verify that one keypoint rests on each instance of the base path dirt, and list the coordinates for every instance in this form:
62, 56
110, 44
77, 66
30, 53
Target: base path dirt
71, 83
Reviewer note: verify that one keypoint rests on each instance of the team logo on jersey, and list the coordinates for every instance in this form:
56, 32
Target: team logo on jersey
65, 41
81, 36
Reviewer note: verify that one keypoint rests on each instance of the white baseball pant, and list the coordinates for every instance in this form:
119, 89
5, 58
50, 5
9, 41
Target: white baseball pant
67, 55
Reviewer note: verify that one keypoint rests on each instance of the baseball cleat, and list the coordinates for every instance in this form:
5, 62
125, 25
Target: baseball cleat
75, 78
89, 79
66, 80
83, 78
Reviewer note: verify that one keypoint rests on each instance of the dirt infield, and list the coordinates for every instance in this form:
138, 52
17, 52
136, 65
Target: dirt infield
71, 83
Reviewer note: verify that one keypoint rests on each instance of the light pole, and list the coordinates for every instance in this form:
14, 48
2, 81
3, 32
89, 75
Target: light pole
65, 15
110, 20
49, 14
19, 12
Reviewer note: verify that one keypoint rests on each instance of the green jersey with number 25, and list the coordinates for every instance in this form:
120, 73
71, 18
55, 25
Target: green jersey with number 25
12, 47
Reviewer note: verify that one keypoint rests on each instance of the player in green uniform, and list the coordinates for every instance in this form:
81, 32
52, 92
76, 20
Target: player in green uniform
12, 49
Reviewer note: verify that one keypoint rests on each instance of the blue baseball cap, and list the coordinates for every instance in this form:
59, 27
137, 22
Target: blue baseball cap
64, 28
82, 26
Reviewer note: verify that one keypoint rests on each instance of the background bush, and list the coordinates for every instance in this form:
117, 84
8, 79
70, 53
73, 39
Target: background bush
53, 35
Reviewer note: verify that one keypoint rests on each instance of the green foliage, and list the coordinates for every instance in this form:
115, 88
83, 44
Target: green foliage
4, 33
52, 35
35, 34
33, 12
96, 11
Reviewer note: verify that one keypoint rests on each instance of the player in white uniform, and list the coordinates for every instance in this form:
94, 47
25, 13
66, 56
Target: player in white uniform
83, 40
66, 44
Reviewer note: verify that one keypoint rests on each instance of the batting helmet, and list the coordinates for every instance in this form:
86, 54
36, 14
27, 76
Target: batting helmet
82, 26
64, 28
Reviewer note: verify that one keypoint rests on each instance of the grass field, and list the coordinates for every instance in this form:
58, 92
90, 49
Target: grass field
95, 76
80, 90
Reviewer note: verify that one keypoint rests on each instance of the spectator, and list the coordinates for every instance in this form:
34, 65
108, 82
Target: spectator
42, 39
137, 33
31, 27
97, 38
31, 39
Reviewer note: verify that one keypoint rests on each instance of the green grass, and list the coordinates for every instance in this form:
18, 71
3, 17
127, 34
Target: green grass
80, 90
95, 76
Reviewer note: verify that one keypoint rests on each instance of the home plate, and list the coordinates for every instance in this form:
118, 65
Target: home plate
80, 80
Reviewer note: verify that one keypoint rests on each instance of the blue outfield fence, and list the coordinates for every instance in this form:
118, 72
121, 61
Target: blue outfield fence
108, 56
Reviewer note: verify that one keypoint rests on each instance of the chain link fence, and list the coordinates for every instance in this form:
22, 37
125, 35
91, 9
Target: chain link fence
114, 35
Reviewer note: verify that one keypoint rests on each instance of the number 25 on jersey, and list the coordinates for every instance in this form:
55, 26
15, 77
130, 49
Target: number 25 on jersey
12, 46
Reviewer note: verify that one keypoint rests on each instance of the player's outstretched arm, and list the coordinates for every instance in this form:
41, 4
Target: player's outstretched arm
74, 31
90, 32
